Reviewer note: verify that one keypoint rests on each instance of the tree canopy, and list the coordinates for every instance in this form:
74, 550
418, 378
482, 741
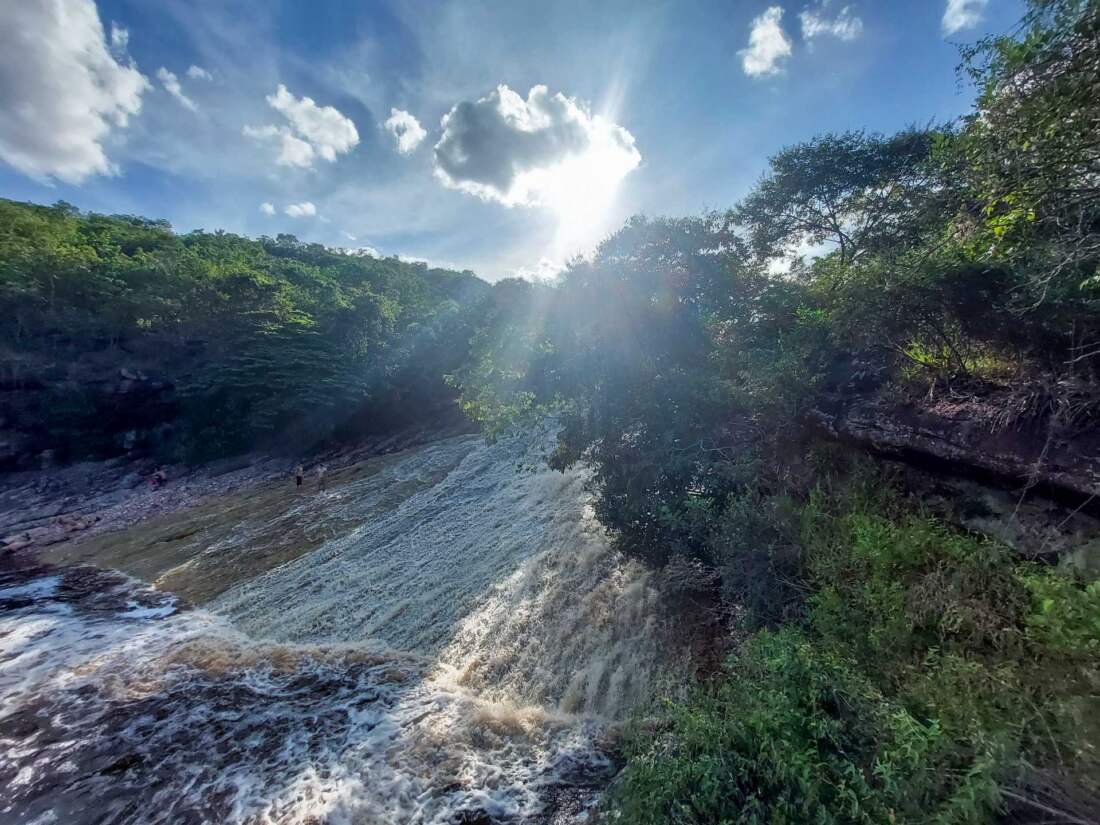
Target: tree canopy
258, 338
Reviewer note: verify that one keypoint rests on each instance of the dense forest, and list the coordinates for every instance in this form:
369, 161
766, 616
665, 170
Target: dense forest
886, 665
119, 336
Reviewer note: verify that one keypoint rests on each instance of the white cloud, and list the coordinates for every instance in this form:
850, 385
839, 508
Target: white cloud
406, 129
962, 14
120, 38
312, 131
844, 26
261, 132
324, 127
293, 151
768, 44
545, 270
267, 208
545, 150
198, 73
171, 85
301, 210
61, 90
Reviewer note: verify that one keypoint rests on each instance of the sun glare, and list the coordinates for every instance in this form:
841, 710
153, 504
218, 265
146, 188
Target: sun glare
581, 189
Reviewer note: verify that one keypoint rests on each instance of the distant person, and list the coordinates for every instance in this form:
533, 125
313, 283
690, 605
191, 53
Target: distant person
158, 478
299, 474
321, 469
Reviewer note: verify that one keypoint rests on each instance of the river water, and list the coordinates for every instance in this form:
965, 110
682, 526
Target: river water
458, 650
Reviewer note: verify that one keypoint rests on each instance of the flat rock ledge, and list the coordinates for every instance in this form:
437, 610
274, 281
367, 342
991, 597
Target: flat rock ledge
970, 437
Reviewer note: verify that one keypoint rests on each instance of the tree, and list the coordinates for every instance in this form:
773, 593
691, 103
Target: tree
1030, 152
861, 192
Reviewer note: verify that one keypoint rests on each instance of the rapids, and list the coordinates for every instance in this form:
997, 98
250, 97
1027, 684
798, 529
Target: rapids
457, 647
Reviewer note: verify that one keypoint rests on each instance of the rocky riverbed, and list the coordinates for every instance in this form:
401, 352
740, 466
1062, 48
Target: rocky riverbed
66, 505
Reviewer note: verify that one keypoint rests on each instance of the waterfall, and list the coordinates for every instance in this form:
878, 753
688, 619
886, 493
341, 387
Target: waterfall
461, 651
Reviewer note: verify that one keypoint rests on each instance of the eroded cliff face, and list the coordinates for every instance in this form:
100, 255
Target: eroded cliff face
127, 388
1012, 464
972, 434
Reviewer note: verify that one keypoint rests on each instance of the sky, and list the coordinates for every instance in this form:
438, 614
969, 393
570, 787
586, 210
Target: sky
502, 137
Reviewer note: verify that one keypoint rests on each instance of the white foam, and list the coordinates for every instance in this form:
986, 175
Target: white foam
39, 588
522, 631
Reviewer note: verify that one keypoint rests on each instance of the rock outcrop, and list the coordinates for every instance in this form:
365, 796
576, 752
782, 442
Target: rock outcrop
972, 436
46, 401
1028, 481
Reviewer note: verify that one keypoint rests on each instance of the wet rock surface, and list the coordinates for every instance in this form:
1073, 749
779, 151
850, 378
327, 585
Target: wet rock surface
65, 505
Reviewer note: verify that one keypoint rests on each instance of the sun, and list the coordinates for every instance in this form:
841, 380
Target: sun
581, 189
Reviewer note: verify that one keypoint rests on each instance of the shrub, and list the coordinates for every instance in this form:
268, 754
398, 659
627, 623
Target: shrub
932, 677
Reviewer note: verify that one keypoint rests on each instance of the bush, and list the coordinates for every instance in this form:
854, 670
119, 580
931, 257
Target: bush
932, 678
796, 733
757, 554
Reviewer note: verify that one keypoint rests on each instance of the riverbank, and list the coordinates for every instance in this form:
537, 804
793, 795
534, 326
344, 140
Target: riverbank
40, 509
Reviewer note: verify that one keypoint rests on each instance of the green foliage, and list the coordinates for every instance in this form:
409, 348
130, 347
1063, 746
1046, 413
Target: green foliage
769, 743
794, 733
862, 193
900, 671
1065, 617
506, 344
1029, 151
755, 548
1025, 169
935, 679
260, 338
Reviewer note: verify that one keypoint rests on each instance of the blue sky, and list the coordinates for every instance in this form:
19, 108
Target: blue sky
655, 108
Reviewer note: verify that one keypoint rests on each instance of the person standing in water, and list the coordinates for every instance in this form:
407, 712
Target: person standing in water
321, 468
299, 474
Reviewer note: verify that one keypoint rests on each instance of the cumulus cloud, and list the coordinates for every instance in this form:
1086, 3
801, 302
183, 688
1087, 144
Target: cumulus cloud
844, 26
62, 91
962, 14
120, 38
406, 129
267, 208
531, 152
311, 130
304, 209
198, 73
293, 151
171, 85
768, 44
324, 127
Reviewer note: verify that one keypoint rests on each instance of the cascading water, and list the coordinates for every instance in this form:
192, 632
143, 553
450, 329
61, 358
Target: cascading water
456, 657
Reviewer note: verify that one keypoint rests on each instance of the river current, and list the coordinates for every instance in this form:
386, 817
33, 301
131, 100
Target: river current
459, 653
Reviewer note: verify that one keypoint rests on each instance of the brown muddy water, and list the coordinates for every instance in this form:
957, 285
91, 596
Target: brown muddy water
442, 636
